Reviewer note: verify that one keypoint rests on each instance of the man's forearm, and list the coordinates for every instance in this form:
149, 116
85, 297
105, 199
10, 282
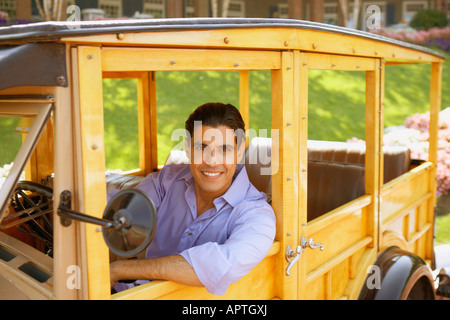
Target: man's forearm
174, 268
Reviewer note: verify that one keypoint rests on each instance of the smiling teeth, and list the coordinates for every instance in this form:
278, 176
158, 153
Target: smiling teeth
212, 174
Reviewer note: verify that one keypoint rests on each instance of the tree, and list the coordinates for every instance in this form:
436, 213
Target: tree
356, 8
225, 6
344, 7
52, 10
215, 5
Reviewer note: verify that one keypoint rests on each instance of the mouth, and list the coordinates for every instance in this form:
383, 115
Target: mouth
212, 174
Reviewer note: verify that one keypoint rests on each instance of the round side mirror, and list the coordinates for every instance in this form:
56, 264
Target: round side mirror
135, 218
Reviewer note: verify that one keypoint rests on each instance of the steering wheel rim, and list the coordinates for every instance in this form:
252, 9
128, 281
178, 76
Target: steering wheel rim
33, 206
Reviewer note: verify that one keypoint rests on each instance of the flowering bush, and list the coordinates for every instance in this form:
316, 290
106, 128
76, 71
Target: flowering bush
439, 37
4, 17
421, 123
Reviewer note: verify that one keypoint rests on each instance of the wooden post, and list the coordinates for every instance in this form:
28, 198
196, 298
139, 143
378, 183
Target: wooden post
285, 170
374, 138
244, 107
301, 103
148, 155
93, 167
435, 108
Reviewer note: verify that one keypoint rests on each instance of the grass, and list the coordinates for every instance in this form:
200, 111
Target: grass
443, 229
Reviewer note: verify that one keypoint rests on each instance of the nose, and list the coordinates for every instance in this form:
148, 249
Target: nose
210, 157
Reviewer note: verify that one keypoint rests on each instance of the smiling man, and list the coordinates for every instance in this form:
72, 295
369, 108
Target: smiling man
213, 226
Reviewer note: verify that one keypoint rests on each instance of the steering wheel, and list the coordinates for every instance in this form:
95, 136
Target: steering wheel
33, 206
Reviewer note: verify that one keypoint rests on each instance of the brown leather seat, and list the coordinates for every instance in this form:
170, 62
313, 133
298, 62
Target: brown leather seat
396, 159
258, 165
332, 184
336, 173
124, 181
121, 181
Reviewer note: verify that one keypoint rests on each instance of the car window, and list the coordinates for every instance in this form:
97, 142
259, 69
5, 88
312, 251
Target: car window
22, 120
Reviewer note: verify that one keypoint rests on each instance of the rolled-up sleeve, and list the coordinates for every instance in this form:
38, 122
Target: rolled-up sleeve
219, 265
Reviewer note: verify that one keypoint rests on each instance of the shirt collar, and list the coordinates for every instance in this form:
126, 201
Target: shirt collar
238, 189
235, 193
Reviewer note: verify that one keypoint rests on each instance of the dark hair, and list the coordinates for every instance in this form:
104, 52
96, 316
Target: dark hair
215, 114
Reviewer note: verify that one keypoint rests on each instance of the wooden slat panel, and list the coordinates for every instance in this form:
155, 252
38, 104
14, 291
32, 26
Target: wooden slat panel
348, 230
405, 191
332, 217
262, 38
265, 38
138, 59
336, 62
338, 258
261, 280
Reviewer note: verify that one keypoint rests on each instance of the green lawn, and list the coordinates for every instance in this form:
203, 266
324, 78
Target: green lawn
443, 229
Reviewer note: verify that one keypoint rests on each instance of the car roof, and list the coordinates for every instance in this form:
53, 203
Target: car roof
32, 54
54, 30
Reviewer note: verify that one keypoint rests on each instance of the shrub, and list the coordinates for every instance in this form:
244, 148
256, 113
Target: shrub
421, 123
4, 17
429, 18
432, 37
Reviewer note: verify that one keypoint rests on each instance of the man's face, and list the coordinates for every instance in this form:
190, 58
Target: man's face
214, 155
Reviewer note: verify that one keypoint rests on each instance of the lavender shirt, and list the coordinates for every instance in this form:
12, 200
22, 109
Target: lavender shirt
222, 244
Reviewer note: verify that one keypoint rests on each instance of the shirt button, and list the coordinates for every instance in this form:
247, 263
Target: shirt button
189, 233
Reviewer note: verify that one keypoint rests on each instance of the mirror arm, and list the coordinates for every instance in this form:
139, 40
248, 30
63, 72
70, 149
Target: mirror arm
67, 215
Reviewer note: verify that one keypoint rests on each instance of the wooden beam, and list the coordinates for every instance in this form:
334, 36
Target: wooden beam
285, 121
93, 168
137, 59
373, 148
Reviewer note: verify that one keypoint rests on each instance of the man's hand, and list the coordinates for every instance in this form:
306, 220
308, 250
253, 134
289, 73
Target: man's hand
173, 268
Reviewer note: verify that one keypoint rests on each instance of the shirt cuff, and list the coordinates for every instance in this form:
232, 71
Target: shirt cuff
210, 266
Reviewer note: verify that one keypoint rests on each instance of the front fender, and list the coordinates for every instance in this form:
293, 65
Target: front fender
401, 275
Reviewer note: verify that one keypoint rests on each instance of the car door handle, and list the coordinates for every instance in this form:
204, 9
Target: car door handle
292, 257
311, 244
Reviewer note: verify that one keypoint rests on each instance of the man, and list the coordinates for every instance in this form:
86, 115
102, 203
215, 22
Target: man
213, 226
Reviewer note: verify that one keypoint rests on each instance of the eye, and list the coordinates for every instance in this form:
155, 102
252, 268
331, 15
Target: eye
199, 147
